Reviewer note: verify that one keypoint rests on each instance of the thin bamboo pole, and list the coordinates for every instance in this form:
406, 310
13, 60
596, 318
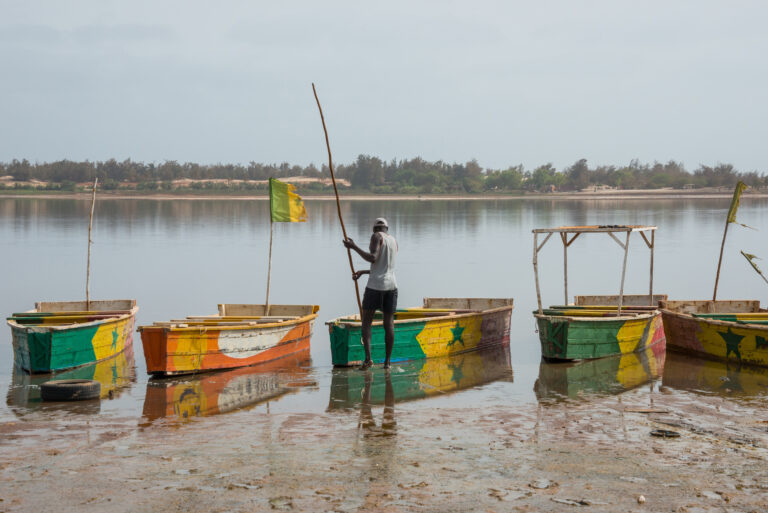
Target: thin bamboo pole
564, 237
269, 267
536, 269
88, 264
623, 273
719, 262
653, 244
338, 203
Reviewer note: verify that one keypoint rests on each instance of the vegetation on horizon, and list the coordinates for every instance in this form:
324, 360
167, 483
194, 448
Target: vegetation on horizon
368, 174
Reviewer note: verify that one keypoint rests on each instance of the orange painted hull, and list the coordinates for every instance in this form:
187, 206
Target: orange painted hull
172, 350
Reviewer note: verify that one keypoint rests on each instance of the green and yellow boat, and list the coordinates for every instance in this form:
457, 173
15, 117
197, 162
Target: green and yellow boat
442, 327
597, 326
730, 330
60, 335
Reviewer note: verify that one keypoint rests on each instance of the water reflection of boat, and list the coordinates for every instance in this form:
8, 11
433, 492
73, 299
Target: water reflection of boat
604, 376
114, 374
420, 378
714, 376
221, 392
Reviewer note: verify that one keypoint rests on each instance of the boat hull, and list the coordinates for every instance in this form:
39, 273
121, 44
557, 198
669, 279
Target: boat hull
583, 338
718, 339
422, 337
170, 351
43, 349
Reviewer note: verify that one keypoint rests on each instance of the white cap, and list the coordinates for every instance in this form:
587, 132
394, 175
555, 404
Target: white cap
380, 221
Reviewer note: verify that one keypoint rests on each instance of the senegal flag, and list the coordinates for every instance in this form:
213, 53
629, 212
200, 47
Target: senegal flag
735, 202
285, 205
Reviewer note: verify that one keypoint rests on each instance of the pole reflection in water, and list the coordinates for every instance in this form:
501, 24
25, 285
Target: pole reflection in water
202, 395
115, 375
603, 376
418, 379
715, 377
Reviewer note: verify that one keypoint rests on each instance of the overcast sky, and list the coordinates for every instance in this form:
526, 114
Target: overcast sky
502, 82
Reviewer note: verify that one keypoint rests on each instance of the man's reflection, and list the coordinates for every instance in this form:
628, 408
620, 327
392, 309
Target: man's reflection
367, 422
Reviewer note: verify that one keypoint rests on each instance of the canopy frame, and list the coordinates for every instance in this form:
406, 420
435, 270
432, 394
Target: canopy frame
574, 232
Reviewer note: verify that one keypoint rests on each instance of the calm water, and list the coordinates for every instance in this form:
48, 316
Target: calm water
180, 258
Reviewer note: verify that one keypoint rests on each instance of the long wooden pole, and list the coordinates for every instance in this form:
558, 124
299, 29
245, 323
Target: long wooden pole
536, 269
269, 267
338, 203
623, 272
719, 262
88, 264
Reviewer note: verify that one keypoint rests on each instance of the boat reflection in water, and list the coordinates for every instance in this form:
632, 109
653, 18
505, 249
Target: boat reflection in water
208, 394
603, 376
115, 375
715, 377
418, 379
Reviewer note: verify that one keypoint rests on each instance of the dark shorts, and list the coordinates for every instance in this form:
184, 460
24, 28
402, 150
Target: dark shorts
384, 300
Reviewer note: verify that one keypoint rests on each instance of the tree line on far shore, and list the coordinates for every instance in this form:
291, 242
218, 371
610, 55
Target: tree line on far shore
372, 174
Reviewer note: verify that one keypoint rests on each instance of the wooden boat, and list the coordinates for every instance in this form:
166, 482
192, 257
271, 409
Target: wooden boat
238, 336
597, 326
115, 375
419, 379
582, 332
59, 335
442, 327
732, 330
603, 376
226, 391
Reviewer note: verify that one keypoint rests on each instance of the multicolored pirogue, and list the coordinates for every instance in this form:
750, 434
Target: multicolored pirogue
732, 330
443, 326
239, 335
597, 326
582, 332
59, 335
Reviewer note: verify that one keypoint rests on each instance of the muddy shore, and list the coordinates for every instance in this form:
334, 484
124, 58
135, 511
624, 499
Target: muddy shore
594, 454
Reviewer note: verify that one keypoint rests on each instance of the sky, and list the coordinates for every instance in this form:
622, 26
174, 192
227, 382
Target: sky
503, 82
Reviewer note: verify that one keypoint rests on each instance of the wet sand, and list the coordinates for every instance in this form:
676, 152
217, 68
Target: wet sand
556, 454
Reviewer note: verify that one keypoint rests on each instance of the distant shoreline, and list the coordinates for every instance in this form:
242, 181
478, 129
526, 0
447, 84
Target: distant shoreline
648, 194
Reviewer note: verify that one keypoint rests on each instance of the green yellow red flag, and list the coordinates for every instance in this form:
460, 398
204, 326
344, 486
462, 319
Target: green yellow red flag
740, 186
751, 259
284, 204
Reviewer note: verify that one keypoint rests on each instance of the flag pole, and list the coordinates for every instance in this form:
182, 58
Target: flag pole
269, 268
88, 264
338, 204
720, 261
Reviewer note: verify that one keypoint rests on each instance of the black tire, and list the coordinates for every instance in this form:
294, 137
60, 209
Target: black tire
70, 390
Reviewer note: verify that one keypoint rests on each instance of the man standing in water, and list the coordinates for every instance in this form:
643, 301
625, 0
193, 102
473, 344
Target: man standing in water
381, 290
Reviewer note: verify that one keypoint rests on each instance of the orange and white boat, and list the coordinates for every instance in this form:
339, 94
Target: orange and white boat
238, 336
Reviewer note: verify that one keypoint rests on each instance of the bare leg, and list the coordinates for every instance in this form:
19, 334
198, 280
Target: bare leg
365, 330
389, 336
